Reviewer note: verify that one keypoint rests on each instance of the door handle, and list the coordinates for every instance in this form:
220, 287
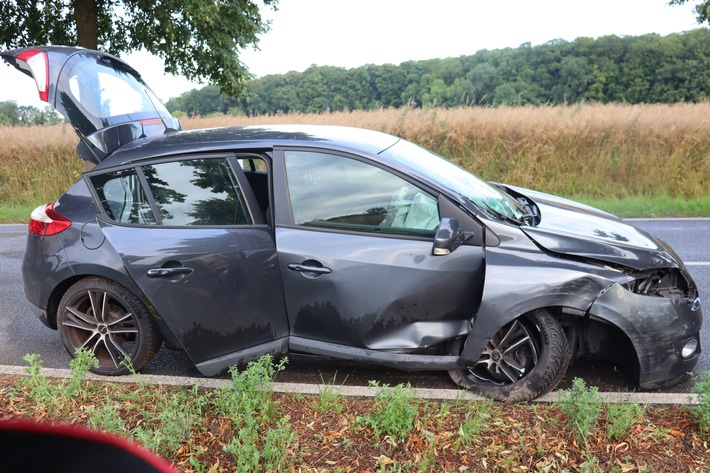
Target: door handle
308, 269
167, 272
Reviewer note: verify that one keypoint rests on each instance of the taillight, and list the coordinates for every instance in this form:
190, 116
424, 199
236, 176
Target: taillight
38, 65
46, 221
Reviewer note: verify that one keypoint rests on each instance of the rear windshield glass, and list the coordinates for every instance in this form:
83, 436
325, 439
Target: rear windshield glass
95, 90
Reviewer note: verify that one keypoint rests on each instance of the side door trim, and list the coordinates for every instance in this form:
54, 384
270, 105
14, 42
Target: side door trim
217, 365
245, 187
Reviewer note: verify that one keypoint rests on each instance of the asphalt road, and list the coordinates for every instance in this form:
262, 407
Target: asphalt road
21, 332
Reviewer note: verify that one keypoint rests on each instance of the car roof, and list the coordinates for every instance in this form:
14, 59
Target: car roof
342, 138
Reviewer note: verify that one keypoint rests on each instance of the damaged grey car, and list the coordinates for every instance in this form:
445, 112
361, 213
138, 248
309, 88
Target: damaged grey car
231, 243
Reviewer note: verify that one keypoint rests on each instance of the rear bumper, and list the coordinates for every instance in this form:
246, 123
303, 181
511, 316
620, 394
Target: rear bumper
658, 328
41, 314
43, 263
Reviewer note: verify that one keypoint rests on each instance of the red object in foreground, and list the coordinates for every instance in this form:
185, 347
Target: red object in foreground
43, 447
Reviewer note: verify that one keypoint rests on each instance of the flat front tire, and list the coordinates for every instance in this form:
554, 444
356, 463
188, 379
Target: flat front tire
526, 358
110, 321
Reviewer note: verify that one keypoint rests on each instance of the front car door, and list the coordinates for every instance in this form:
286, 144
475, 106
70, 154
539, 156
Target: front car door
190, 234
355, 254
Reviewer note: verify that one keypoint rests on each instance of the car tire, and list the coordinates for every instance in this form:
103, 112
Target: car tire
109, 320
525, 359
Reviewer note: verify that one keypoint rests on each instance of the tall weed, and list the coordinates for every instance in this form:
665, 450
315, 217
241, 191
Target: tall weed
248, 403
701, 411
620, 417
393, 413
582, 406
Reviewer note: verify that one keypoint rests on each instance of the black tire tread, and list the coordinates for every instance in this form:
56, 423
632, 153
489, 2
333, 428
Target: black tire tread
151, 338
541, 379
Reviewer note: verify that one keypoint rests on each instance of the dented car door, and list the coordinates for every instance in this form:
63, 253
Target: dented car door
357, 259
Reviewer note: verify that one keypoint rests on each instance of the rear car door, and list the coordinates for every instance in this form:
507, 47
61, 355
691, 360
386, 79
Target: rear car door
355, 253
191, 236
188, 230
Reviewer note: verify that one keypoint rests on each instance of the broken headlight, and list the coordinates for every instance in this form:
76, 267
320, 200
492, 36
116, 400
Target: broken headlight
668, 282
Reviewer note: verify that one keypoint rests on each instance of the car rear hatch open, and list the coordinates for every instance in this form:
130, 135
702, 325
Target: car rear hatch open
103, 98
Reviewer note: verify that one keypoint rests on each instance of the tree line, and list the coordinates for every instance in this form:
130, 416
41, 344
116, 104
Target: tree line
12, 114
632, 69
196, 39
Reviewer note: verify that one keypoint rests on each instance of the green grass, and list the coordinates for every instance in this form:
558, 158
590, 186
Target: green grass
652, 206
14, 213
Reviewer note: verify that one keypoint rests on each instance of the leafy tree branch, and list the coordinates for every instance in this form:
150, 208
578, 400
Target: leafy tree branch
198, 39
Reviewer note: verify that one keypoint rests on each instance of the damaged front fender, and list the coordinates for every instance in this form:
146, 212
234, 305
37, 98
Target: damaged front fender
658, 328
515, 287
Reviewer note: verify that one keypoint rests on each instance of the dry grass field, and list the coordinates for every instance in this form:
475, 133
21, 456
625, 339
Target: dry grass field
589, 152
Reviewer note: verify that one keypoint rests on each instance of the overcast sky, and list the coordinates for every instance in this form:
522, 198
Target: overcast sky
351, 33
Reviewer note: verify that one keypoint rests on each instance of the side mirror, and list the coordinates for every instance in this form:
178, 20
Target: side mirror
449, 236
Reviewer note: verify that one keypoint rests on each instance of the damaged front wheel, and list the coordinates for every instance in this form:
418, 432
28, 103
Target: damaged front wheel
524, 359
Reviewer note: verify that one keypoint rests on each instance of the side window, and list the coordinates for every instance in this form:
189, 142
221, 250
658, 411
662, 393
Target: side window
252, 164
256, 172
122, 197
197, 192
337, 192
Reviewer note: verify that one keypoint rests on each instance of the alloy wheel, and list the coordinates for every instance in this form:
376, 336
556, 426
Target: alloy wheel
98, 321
509, 356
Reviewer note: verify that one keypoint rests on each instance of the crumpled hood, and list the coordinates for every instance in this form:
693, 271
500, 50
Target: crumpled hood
571, 228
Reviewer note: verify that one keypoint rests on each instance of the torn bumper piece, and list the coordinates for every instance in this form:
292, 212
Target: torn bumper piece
665, 332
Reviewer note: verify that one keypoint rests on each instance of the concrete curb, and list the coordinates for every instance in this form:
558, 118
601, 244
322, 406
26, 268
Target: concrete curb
348, 391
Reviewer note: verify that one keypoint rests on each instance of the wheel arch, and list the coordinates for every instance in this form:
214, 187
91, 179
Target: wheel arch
571, 298
88, 271
85, 271
589, 337
599, 339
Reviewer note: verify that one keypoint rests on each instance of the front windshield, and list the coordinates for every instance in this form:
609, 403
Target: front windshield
447, 174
